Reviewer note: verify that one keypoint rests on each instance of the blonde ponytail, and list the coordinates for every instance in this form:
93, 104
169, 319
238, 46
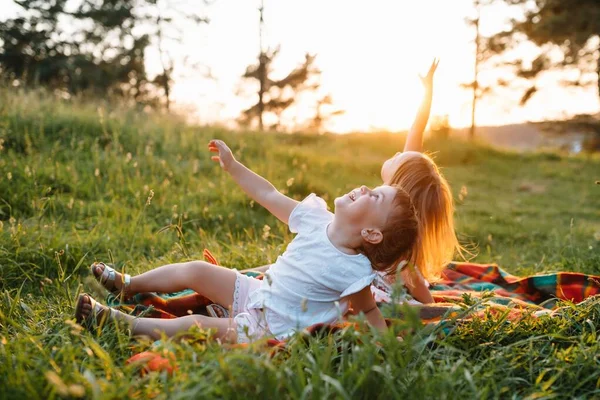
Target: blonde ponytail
432, 199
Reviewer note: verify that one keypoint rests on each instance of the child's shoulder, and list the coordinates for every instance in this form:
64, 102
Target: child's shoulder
309, 214
313, 201
312, 204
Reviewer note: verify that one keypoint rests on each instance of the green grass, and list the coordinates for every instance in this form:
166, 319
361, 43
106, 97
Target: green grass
75, 187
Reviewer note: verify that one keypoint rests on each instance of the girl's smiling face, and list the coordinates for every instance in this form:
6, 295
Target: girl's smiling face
364, 208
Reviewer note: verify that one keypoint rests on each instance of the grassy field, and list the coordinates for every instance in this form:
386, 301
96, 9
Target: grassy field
80, 183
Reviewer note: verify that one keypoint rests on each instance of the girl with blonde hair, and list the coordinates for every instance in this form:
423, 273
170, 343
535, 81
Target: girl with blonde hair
431, 196
430, 193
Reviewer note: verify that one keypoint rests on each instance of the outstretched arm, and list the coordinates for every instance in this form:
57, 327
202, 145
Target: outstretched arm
414, 140
255, 186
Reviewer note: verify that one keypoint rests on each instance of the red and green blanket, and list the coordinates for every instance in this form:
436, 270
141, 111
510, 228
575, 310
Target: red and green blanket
502, 291
516, 297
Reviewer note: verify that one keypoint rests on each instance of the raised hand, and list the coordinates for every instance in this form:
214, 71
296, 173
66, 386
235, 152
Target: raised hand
225, 157
427, 80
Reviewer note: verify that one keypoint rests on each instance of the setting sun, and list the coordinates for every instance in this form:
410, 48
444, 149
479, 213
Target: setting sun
370, 57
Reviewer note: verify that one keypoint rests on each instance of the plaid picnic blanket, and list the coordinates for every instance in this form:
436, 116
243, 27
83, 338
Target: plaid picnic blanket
512, 296
503, 293
541, 290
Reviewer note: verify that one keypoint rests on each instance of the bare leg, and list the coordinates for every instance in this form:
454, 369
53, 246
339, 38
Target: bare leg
155, 327
216, 283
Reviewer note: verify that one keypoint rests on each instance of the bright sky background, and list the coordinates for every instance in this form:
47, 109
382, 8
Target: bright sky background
370, 53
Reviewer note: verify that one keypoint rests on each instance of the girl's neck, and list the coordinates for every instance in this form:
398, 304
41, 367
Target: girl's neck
342, 239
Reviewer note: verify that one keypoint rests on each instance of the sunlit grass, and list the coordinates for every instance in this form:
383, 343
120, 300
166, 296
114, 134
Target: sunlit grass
80, 183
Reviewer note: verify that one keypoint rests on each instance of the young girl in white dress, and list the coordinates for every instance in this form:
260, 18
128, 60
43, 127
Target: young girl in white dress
331, 261
431, 196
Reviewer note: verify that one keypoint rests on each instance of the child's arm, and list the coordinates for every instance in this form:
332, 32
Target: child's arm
416, 286
414, 140
257, 187
363, 301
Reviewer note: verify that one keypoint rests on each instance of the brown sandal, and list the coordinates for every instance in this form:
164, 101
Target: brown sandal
97, 317
217, 311
107, 279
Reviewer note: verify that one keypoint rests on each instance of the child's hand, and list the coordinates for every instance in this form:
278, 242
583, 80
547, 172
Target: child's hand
225, 157
427, 80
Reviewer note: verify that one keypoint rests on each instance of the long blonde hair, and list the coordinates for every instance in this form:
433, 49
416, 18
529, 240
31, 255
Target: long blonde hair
431, 196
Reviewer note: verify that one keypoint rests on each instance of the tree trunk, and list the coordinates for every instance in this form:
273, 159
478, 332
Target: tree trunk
262, 68
261, 90
167, 92
476, 78
598, 69
166, 74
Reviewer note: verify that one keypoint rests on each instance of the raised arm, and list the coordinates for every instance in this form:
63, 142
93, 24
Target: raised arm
255, 186
414, 140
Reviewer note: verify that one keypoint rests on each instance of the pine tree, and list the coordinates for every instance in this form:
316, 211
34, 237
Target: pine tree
570, 28
480, 58
323, 114
96, 47
275, 96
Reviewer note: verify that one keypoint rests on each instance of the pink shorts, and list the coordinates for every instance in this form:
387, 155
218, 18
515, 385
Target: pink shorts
251, 323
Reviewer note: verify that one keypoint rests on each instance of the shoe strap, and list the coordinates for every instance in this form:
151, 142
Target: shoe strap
108, 275
126, 282
99, 309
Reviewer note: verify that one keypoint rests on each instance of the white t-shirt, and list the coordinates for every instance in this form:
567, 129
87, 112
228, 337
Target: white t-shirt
302, 287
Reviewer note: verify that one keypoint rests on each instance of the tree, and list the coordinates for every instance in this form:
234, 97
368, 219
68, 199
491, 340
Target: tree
89, 46
323, 113
38, 50
480, 57
566, 32
275, 96
165, 17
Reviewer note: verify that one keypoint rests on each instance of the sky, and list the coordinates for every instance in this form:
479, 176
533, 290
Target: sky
370, 54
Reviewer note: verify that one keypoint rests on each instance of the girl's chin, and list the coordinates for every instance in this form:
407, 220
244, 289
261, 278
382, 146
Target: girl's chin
342, 201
